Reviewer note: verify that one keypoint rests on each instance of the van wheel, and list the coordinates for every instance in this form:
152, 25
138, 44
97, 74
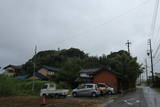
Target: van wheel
56, 96
64, 96
94, 94
44, 95
74, 94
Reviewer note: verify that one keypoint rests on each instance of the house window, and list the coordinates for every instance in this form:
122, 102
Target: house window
84, 75
51, 73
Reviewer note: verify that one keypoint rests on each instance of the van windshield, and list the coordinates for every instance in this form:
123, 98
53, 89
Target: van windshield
44, 87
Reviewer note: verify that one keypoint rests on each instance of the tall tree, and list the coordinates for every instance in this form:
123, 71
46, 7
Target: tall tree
127, 66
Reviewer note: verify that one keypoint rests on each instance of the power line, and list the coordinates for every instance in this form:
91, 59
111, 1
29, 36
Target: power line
158, 30
154, 56
153, 25
107, 22
154, 19
157, 59
156, 62
158, 56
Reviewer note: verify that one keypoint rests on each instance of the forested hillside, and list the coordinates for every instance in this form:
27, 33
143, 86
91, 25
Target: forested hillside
70, 61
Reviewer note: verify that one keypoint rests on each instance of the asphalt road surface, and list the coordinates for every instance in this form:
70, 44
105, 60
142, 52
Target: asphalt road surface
142, 97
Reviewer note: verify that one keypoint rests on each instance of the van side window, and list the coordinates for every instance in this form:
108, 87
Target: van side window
51, 86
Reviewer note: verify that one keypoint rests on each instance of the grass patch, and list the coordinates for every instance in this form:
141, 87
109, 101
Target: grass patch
18, 87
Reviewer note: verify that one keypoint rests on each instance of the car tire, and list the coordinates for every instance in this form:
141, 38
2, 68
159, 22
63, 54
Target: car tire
56, 96
94, 94
74, 94
110, 92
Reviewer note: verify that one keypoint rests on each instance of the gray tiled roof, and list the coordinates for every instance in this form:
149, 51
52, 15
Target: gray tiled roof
90, 70
14, 66
94, 70
50, 68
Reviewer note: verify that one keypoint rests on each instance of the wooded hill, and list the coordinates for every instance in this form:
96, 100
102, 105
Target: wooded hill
70, 61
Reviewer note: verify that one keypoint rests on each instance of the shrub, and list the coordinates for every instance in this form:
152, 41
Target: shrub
11, 86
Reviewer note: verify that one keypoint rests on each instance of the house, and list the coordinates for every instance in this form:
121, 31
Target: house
38, 76
1, 71
12, 70
100, 75
44, 73
22, 76
47, 70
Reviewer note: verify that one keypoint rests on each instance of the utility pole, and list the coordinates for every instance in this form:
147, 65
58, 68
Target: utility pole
140, 79
150, 53
34, 66
128, 45
146, 71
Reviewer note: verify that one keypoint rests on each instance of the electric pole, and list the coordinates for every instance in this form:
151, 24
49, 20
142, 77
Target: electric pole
150, 53
34, 67
146, 71
140, 79
128, 45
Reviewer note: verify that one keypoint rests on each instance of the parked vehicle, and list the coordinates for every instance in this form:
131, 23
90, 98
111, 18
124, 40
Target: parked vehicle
102, 88
105, 89
110, 90
86, 90
50, 90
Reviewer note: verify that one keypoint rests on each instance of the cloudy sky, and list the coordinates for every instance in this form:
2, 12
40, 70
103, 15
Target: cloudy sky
95, 26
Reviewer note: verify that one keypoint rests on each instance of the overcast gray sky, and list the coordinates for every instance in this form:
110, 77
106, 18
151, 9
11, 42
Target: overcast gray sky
95, 26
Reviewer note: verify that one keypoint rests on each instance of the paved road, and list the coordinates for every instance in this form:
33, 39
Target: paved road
143, 97
152, 97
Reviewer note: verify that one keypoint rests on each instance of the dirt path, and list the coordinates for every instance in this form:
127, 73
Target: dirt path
35, 102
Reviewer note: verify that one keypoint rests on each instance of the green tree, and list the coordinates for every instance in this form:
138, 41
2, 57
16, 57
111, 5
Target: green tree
70, 61
69, 72
127, 66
